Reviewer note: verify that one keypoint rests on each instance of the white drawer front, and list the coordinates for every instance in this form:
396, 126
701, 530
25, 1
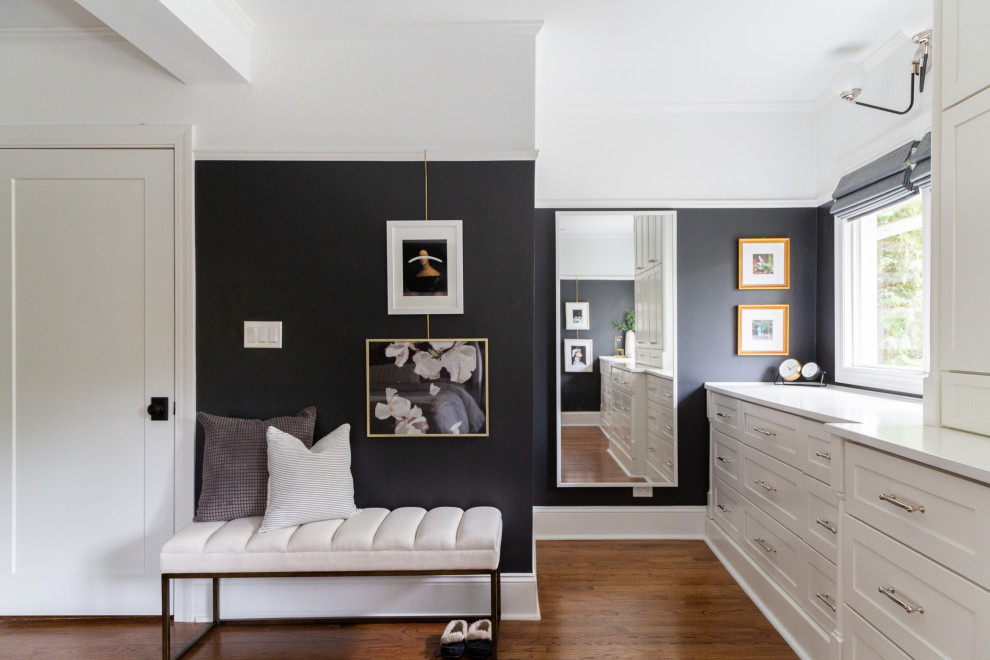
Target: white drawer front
820, 600
821, 456
667, 392
725, 414
773, 432
726, 458
653, 388
653, 416
728, 512
949, 617
667, 425
775, 549
864, 642
668, 460
821, 522
774, 487
952, 529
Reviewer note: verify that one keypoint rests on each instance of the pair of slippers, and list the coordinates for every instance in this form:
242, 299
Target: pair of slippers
458, 638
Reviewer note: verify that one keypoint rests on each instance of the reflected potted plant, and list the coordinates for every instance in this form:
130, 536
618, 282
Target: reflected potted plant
628, 326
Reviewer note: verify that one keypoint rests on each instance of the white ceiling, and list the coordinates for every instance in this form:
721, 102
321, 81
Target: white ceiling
606, 52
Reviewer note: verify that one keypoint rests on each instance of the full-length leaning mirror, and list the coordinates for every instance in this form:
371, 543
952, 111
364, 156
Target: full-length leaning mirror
616, 334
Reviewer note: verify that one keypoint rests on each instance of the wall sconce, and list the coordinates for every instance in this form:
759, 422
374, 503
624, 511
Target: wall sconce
915, 22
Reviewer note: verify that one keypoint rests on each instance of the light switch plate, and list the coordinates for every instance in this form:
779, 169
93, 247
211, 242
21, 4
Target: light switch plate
262, 334
642, 491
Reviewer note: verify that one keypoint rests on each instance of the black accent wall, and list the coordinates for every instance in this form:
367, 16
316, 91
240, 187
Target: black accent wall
826, 292
607, 301
707, 296
304, 243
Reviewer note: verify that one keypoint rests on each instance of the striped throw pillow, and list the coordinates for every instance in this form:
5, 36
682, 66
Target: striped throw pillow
308, 485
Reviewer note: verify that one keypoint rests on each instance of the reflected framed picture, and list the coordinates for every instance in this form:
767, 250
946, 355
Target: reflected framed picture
577, 315
764, 263
425, 267
578, 355
427, 387
763, 330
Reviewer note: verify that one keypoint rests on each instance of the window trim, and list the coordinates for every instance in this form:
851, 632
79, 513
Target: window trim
895, 379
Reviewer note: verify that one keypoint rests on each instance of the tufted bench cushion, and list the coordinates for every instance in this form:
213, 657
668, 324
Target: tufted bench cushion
406, 539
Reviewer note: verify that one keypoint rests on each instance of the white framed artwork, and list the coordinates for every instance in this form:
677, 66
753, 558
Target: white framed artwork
425, 267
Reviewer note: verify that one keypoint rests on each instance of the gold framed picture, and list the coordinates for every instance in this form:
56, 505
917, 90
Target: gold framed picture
763, 330
764, 263
427, 387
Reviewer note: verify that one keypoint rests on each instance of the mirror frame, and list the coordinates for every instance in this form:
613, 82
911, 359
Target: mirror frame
558, 344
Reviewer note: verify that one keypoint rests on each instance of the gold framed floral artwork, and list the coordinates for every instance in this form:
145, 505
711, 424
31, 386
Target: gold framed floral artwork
427, 387
763, 330
764, 263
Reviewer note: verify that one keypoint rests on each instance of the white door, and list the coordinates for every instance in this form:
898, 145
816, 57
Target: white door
86, 339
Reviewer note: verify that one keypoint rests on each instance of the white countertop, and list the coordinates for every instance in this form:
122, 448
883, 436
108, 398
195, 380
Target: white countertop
888, 423
629, 364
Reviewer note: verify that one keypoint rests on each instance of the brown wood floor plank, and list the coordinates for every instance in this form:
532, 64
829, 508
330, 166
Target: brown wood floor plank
584, 458
629, 600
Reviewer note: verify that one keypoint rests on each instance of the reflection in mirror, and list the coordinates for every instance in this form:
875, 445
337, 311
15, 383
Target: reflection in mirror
616, 389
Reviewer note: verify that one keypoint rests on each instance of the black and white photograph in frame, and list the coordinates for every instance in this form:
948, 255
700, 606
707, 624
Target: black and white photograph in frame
425, 267
577, 316
578, 355
427, 387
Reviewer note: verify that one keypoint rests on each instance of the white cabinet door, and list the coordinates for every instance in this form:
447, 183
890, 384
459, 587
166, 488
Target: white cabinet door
964, 231
87, 336
965, 49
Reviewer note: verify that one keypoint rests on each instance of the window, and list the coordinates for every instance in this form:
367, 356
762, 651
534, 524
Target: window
882, 297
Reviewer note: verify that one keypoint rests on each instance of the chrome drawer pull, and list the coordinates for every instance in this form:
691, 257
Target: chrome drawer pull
718, 414
763, 431
892, 499
760, 482
651, 417
889, 593
724, 508
824, 454
824, 523
669, 427
653, 450
723, 459
669, 396
825, 599
669, 464
763, 544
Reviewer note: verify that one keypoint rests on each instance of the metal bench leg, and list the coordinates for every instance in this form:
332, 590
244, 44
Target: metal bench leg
166, 619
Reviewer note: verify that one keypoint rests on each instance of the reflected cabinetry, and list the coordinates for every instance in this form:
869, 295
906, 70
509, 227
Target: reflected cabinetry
637, 417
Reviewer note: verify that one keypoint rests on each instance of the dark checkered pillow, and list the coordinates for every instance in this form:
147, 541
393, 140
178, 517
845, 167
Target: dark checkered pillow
235, 462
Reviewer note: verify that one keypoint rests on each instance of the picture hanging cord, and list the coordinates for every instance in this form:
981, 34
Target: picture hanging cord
577, 333
426, 216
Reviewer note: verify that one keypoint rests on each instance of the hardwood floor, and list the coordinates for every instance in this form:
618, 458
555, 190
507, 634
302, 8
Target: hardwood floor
584, 459
626, 600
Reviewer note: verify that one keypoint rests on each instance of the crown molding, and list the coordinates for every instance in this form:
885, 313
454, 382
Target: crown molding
498, 29
58, 35
637, 204
431, 155
669, 109
237, 16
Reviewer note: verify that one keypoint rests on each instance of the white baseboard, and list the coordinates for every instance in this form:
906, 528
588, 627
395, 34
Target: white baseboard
618, 522
799, 630
273, 598
580, 418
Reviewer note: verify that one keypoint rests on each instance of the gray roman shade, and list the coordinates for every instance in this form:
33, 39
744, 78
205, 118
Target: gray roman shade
885, 181
921, 175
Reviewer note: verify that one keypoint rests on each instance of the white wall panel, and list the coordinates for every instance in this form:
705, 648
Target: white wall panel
647, 159
360, 93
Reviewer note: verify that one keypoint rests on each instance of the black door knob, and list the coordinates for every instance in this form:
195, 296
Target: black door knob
158, 409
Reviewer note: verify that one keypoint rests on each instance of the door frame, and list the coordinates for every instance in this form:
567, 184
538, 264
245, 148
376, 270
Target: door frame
178, 138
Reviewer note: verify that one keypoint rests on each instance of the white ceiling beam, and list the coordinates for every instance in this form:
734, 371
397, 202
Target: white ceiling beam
194, 40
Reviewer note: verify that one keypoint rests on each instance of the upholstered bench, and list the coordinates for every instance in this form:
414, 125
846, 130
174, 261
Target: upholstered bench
375, 542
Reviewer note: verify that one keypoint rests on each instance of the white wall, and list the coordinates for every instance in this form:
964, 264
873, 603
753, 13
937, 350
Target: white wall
351, 93
659, 159
850, 136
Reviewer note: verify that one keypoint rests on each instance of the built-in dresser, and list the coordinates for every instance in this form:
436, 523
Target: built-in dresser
863, 539
637, 417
